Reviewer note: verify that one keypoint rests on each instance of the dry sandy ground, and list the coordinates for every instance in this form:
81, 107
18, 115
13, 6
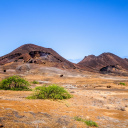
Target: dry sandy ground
92, 100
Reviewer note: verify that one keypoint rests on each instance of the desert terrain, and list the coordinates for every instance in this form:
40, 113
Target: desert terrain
98, 85
96, 97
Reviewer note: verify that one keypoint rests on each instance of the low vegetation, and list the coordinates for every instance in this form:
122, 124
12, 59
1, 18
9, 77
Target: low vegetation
14, 83
121, 83
35, 82
87, 122
50, 92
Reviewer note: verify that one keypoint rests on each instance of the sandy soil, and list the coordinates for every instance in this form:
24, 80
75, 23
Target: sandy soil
95, 97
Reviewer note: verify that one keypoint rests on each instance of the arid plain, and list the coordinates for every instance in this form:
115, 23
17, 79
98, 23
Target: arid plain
96, 97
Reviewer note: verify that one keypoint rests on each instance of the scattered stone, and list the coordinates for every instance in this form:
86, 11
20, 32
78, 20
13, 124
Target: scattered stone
126, 105
32, 113
8, 108
104, 97
101, 118
46, 114
108, 107
108, 86
125, 99
121, 108
62, 121
61, 75
38, 122
17, 114
69, 86
72, 92
43, 82
1, 125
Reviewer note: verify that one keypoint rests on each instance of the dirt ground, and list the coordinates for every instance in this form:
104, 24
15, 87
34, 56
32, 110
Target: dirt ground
99, 98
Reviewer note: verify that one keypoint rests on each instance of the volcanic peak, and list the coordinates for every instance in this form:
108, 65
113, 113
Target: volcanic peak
30, 53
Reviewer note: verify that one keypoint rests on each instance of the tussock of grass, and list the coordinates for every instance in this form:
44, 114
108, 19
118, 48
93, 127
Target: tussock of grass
14, 83
35, 82
121, 83
50, 92
87, 122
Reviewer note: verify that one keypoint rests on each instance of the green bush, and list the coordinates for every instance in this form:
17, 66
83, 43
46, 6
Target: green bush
87, 122
14, 83
35, 82
78, 118
122, 83
50, 92
91, 123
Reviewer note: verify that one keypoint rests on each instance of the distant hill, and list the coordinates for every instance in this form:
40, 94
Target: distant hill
30, 53
21, 58
105, 63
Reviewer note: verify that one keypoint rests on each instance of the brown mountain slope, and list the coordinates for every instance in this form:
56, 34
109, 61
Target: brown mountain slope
30, 53
106, 62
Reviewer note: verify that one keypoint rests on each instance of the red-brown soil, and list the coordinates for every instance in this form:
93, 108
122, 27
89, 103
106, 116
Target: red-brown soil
91, 100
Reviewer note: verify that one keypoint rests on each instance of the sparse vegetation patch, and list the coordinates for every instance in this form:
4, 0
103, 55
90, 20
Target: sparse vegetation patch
87, 122
14, 83
35, 82
50, 92
121, 83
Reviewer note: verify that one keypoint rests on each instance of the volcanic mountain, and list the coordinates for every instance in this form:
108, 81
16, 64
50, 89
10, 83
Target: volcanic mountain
31, 56
30, 53
105, 63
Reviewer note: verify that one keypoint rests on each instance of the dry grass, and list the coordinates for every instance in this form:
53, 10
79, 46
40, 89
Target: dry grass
86, 103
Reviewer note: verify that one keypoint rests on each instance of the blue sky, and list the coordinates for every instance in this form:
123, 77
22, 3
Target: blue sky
73, 28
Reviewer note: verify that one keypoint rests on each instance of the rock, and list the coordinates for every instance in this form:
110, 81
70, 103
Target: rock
46, 114
72, 92
43, 82
108, 107
61, 75
1, 125
69, 86
38, 122
108, 86
62, 121
126, 105
121, 108
17, 114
